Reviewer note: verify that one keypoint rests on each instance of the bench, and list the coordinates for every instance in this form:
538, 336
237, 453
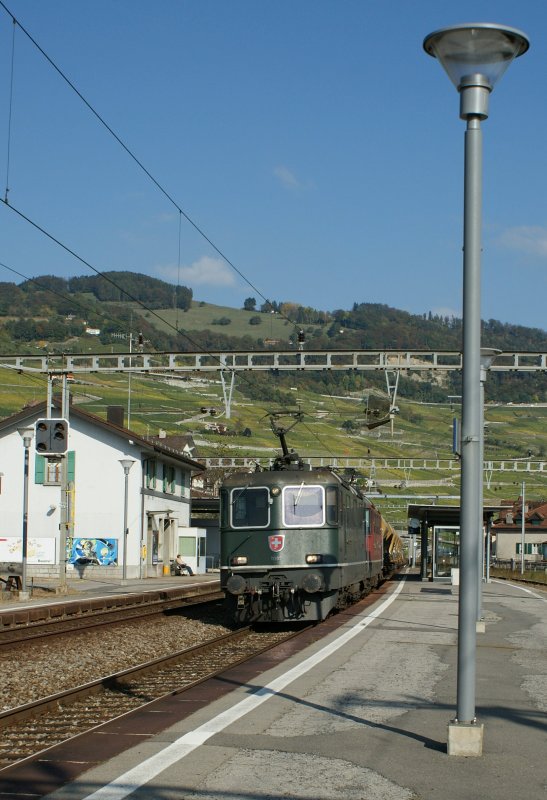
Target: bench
14, 571
12, 582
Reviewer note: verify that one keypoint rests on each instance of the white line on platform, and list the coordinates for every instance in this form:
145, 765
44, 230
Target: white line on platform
523, 588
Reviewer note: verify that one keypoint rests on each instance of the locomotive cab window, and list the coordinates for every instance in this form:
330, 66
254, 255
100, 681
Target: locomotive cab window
303, 506
249, 507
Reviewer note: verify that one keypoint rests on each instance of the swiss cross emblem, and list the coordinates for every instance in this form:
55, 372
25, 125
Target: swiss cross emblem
276, 542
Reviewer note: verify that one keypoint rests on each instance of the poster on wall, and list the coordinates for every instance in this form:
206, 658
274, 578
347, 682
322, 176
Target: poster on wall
102, 552
39, 551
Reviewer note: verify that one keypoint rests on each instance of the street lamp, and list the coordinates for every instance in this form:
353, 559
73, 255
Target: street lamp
475, 56
126, 463
26, 435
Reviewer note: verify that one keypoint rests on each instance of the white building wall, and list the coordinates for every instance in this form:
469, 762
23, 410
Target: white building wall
43, 506
99, 496
98, 499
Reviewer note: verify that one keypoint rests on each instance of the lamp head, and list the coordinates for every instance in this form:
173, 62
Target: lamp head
475, 56
126, 463
27, 435
488, 356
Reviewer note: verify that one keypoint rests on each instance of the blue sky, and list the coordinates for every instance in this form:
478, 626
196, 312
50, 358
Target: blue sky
313, 141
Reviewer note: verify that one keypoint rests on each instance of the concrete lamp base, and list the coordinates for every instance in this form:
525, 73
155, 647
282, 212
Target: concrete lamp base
464, 739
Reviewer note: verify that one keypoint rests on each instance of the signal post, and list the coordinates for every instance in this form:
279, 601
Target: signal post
51, 441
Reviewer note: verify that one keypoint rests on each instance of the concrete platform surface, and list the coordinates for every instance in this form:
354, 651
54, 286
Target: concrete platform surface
363, 715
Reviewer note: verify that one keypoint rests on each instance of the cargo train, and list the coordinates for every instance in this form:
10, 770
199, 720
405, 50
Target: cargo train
298, 543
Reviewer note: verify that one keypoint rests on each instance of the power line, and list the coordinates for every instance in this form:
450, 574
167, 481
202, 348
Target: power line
97, 271
10, 110
137, 161
112, 282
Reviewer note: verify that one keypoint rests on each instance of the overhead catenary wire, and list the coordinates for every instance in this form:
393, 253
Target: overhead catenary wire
138, 162
10, 109
182, 212
105, 277
111, 281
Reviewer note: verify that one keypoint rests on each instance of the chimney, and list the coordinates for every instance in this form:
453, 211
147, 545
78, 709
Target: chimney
162, 434
115, 415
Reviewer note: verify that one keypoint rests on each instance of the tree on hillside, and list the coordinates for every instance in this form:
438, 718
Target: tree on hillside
249, 304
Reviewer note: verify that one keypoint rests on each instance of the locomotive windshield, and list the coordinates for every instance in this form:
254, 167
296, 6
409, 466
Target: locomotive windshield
250, 507
303, 505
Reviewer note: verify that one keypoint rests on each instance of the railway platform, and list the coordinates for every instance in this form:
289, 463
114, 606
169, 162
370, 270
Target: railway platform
83, 596
89, 587
360, 713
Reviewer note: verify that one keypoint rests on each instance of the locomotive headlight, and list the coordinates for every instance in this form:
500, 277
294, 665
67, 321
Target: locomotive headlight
275, 491
238, 561
314, 558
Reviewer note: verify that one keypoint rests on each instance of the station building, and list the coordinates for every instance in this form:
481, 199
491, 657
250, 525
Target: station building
76, 522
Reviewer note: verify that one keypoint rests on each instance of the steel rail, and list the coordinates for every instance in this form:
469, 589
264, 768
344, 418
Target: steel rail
62, 718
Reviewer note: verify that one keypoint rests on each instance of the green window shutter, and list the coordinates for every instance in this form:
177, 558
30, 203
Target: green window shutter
39, 469
71, 465
151, 473
173, 481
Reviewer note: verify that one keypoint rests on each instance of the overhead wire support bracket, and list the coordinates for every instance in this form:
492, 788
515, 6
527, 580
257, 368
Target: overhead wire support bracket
268, 360
228, 396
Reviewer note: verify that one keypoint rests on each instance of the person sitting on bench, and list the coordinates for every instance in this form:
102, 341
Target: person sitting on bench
180, 566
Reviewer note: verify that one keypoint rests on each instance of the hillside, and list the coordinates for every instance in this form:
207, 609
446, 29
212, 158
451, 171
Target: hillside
332, 430
51, 315
58, 311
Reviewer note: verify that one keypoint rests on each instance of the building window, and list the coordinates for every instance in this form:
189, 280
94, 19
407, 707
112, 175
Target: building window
49, 472
530, 549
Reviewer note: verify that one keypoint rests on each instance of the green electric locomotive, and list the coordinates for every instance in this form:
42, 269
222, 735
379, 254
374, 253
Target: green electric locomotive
296, 542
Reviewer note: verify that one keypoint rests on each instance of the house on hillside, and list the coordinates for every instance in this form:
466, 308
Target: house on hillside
507, 529
86, 512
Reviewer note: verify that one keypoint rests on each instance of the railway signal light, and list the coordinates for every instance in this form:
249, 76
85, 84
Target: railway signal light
51, 437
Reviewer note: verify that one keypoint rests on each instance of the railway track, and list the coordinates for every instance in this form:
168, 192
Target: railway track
19, 627
27, 730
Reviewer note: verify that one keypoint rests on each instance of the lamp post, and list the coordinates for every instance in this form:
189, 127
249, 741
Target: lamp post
488, 356
126, 463
475, 56
26, 435
522, 529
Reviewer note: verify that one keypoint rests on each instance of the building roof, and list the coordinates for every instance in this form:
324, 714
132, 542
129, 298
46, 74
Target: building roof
535, 517
444, 515
151, 444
